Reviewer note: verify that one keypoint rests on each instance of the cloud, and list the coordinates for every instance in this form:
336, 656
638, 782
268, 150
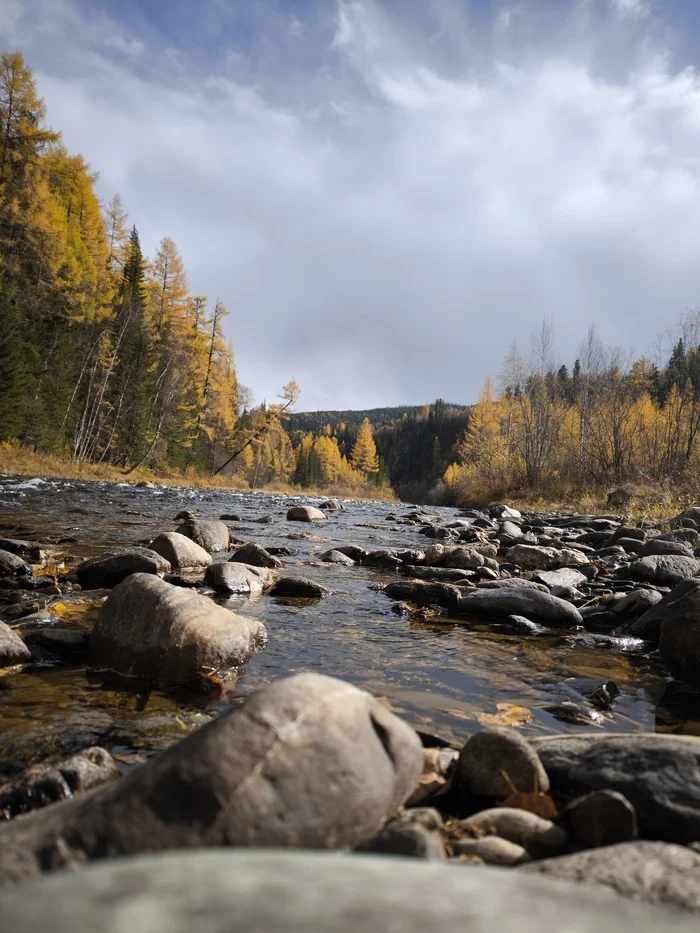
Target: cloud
633, 7
385, 204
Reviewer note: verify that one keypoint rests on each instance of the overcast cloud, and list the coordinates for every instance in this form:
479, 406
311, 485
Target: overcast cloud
385, 201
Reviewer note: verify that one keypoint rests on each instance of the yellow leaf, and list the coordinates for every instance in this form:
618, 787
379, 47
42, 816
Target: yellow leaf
508, 715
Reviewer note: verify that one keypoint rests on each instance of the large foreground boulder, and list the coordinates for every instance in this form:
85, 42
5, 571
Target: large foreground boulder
652, 872
110, 569
305, 513
310, 892
307, 762
658, 774
211, 535
12, 649
151, 630
181, 551
533, 604
679, 630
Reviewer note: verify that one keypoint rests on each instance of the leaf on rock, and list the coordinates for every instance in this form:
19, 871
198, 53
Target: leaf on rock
508, 715
534, 802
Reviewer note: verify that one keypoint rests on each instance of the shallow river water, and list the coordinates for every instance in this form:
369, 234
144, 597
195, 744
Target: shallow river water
440, 676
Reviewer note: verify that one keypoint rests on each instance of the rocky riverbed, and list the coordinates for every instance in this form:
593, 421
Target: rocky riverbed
524, 687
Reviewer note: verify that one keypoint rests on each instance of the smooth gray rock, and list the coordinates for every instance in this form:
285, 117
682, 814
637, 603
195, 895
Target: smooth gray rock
692, 514
305, 513
69, 643
602, 818
425, 593
212, 535
332, 505
464, 558
566, 577
12, 649
110, 569
153, 631
15, 546
299, 588
238, 579
666, 546
180, 551
492, 850
651, 872
306, 762
663, 569
490, 754
12, 565
405, 839
513, 583
682, 602
659, 774
679, 632
223, 891
48, 782
541, 838
519, 625
255, 556
534, 557
337, 557
522, 601
635, 604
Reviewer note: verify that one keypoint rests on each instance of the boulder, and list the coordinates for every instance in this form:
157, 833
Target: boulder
238, 579
497, 763
506, 601
12, 565
337, 557
534, 557
519, 625
657, 546
513, 583
406, 839
255, 556
156, 632
12, 649
69, 643
464, 558
492, 850
687, 515
305, 513
48, 782
663, 569
687, 597
658, 774
566, 577
212, 535
602, 818
679, 632
243, 891
15, 546
425, 593
111, 568
180, 551
332, 505
306, 762
650, 872
298, 588
539, 837
635, 604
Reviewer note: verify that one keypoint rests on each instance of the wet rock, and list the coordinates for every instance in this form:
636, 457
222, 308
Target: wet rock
299, 588
68, 643
623, 643
492, 850
12, 649
384, 559
305, 513
15, 546
110, 569
635, 604
211, 535
425, 593
237, 579
230, 517
658, 546
539, 837
12, 565
307, 762
509, 531
519, 625
180, 551
255, 556
490, 754
447, 574
567, 577
628, 532
683, 602
650, 872
602, 818
337, 557
664, 569
156, 632
265, 520
332, 505
405, 839
353, 551
48, 782
464, 558
534, 605
658, 774
533, 557
513, 583
679, 640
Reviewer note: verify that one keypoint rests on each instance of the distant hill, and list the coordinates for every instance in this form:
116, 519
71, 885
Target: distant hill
317, 420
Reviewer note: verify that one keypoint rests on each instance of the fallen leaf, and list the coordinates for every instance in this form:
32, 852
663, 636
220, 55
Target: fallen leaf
508, 715
457, 713
387, 704
534, 802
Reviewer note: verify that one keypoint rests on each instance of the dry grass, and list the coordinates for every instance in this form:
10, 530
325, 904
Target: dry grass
22, 461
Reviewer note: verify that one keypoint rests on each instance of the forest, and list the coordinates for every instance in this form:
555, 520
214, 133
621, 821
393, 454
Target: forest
108, 360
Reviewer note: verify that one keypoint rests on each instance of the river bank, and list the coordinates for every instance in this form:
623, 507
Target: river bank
562, 639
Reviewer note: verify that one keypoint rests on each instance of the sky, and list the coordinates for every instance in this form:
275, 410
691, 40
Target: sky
387, 194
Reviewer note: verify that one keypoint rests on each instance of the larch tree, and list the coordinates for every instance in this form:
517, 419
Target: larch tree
364, 452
